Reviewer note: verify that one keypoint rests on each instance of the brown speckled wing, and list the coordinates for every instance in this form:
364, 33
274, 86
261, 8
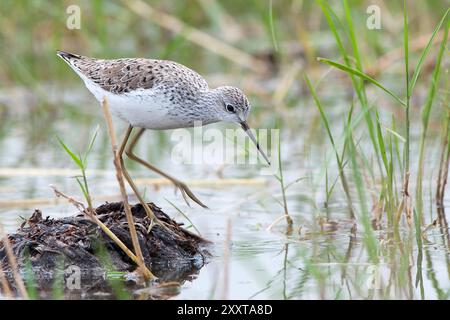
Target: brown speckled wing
119, 76
129, 74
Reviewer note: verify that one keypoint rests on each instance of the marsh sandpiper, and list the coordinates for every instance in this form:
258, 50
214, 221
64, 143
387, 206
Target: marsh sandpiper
159, 95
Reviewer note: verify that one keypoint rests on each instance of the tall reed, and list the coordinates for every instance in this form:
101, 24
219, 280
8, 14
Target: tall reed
384, 149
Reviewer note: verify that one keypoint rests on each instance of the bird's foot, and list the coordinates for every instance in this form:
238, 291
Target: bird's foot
186, 192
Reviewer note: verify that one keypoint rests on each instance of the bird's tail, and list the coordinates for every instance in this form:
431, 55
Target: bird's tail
77, 62
67, 56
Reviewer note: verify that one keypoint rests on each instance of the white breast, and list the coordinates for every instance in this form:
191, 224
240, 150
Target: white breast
144, 108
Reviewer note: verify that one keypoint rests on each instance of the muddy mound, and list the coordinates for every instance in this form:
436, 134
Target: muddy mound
51, 246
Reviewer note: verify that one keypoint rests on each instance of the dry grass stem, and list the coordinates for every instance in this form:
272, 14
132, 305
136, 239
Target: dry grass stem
4, 284
119, 175
102, 226
13, 263
405, 204
277, 220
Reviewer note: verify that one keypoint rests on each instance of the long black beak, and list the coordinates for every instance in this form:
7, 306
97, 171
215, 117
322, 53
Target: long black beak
247, 130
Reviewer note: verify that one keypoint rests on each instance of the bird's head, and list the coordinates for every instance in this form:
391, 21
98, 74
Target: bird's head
233, 104
235, 107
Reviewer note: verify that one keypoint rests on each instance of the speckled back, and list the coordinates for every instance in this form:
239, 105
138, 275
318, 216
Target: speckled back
129, 74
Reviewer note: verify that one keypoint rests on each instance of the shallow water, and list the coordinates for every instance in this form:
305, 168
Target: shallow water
320, 258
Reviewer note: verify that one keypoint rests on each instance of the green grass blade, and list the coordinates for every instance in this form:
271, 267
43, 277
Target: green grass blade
30, 281
426, 111
435, 79
83, 188
395, 133
362, 76
283, 189
330, 136
335, 23
321, 111
352, 35
332, 18
272, 27
91, 145
58, 280
418, 225
408, 93
382, 145
406, 47
369, 238
397, 143
76, 159
425, 52
184, 215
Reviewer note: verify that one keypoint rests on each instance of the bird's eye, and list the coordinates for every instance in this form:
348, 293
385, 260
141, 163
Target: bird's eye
230, 108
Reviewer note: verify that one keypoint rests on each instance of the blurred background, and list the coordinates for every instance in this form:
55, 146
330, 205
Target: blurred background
265, 48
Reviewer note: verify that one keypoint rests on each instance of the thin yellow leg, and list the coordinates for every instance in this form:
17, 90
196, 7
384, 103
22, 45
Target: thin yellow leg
127, 176
185, 191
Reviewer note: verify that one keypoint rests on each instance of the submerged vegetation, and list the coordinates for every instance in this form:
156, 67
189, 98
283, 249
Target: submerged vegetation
363, 156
